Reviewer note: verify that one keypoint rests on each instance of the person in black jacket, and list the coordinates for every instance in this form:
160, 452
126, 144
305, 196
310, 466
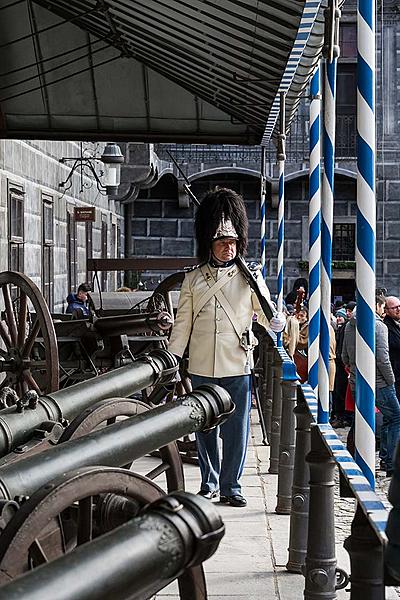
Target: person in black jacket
339, 417
392, 321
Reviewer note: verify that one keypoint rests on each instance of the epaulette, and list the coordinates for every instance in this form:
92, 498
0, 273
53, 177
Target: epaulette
194, 267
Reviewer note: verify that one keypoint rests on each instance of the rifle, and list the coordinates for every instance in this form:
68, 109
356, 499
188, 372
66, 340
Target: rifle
266, 306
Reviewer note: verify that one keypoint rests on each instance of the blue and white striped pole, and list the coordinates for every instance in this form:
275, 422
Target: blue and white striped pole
365, 251
262, 212
314, 240
281, 207
330, 67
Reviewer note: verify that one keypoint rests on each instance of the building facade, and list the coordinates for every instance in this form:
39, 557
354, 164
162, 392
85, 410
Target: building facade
40, 231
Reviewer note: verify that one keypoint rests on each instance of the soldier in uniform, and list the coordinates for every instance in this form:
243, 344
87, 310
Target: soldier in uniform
214, 318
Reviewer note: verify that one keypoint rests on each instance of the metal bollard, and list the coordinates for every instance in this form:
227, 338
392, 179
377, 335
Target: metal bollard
301, 488
264, 379
392, 552
276, 412
268, 381
366, 558
320, 564
287, 438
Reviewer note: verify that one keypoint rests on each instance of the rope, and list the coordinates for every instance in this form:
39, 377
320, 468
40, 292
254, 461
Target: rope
366, 239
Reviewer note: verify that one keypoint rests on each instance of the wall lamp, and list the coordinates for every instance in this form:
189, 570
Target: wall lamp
107, 179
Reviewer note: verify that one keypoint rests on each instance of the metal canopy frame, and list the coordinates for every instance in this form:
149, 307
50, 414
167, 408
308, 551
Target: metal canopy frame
144, 70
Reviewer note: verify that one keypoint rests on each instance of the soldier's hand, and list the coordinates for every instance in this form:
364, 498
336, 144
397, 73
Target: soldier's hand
278, 322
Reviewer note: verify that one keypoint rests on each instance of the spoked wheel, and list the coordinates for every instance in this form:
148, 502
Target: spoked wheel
166, 286
74, 509
106, 412
29, 357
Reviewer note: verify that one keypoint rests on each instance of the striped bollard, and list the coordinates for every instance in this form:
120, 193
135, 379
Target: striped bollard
326, 235
281, 208
262, 212
314, 222
365, 251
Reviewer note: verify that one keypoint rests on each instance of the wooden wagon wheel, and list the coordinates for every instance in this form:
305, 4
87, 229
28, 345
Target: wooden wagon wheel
30, 357
105, 413
71, 511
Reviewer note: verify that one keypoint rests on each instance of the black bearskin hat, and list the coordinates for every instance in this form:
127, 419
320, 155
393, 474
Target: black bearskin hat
221, 203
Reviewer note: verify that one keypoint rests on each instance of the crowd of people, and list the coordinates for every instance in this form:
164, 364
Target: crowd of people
342, 360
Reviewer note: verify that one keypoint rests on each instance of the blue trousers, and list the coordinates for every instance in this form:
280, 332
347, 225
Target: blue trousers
387, 402
217, 474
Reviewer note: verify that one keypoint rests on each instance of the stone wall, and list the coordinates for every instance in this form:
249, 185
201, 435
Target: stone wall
160, 228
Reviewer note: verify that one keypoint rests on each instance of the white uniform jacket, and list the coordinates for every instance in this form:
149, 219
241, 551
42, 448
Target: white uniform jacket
213, 321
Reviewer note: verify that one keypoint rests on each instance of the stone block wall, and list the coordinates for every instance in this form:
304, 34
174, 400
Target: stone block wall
34, 167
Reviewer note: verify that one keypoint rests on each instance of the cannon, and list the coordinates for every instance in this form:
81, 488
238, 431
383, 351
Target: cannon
119, 443
43, 352
135, 560
18, 423
46, 517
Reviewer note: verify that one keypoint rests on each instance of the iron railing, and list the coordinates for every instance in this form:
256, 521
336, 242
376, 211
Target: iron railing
297, 146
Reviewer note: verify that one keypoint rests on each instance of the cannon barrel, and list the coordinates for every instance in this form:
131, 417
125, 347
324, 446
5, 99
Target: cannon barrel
118, 444
133, 561
17, 428
133, 323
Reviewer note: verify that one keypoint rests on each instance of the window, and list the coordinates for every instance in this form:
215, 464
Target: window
119, 254
89, 248
344, 241
48, 250
104, 250
72, 265
346, 119
348, 40
16, 227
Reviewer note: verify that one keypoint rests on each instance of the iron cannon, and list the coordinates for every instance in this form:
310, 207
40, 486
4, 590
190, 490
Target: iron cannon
132, 562
18, 423
119, 443
52, 501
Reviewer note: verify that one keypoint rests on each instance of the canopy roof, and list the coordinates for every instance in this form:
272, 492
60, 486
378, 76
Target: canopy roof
195, 71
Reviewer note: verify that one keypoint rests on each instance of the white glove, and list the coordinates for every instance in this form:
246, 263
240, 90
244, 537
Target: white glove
278, 322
